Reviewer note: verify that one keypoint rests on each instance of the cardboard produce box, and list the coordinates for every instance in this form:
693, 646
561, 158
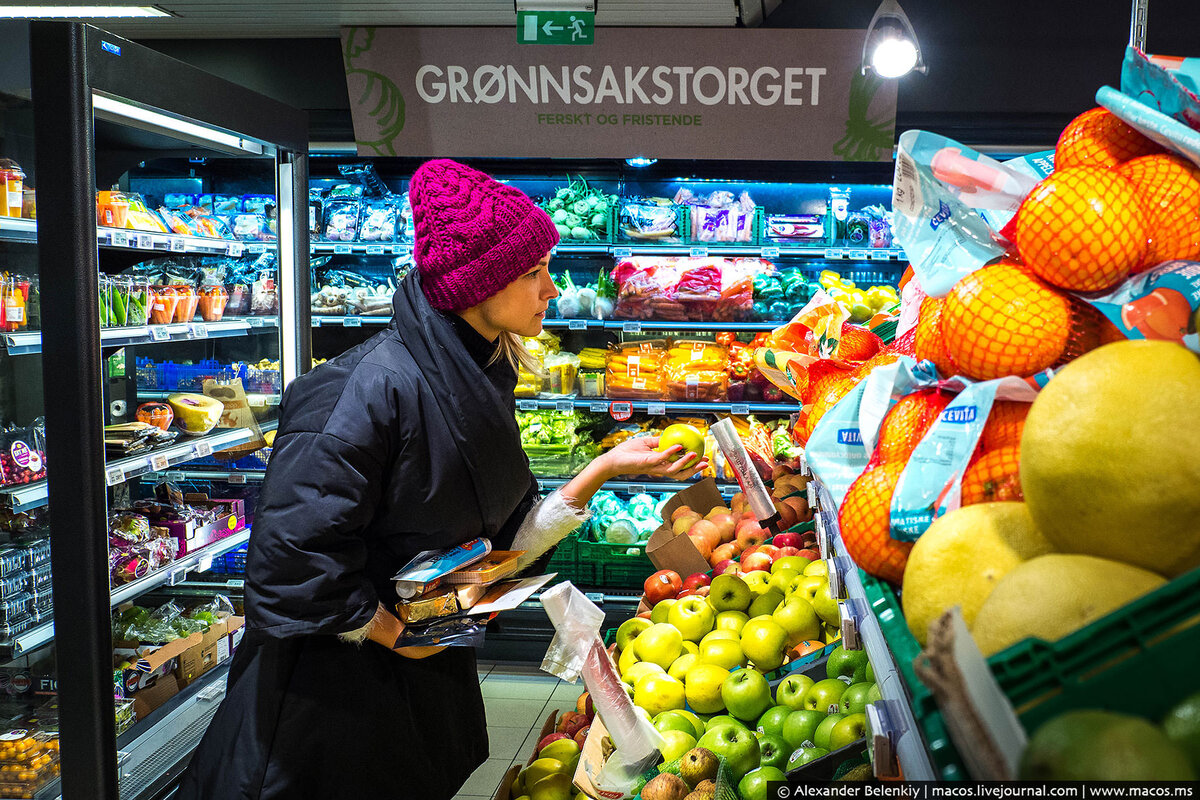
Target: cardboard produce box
504, 790
668, 550
591, 759
215, 647
149, 664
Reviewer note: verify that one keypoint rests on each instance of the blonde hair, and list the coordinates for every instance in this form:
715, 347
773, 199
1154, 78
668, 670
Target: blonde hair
513, 350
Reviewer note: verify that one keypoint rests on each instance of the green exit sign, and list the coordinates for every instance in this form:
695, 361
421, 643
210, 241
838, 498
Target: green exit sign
556, 27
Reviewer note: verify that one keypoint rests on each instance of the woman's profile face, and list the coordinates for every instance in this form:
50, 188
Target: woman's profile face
521, 306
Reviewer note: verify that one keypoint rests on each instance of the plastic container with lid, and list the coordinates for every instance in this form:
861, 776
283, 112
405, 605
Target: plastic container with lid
25, 780
15, 627
14, 583
189, 299
112, 209
12, 180
40, 578
213, 300
12, 560
23, 745
41, 602
36, 551
165, 299
14, 607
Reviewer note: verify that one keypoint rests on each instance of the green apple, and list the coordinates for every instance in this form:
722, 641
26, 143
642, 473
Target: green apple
773, 751
843, 662
818, 567
692, 617
541, 768
874, 695
850, 728
565, 750
676, 720
869, 674
731, 621
764, 641
783, 579
765, 603
658, 693
675, 744
791, 690
729, 593
629, 631
735, 743
794, 563
628, 659
825, 606
681, 665
806, 586
696, 721
825, 696
771, 721
552, 787
746, 694
804, 755
801, 726
854, 699
797, 616
660, 644
661, 609
702, 688
690, 647
712, 636
824, 731
724, 719
756, 784
725, 653
640, 670
759, 581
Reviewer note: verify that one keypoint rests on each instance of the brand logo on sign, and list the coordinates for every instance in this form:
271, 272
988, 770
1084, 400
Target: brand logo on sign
940, 217
960, 415
849, 436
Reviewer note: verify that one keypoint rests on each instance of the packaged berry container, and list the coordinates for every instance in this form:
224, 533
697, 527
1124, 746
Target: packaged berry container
40, 579
14, 607
15, 583
16, 627
37, 551
12, 559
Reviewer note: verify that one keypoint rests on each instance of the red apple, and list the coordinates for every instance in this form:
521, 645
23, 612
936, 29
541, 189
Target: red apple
581, 735
708, 530
748, 551
702, 591
679, 512
725, 567
548, 738
684, 593
756, 561
810, 553
643, 615
577, 725
661, 585
722, 552
770, 550
570, 722
749, 534
799, 504
726, 525
787, 540
703, 546
696, 580
789, 551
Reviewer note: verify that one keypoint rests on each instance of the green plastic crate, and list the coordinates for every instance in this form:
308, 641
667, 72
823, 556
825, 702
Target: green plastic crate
614, 566
1104, 665
566, 562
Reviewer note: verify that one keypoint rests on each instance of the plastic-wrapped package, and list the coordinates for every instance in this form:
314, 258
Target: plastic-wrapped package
179, 222
720, 217
341, 216
129, 526
12, 561
15, 627
635, 370
36, 551
13, 583
40, 578
696, 371
222, 204
177, 200
378, 220
14, 606
23, 454
315, 216
209, 226
252, 227
258, 204
649, 220
264, 299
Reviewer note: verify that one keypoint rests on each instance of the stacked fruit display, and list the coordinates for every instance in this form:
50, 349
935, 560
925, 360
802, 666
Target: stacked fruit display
547, 776
860, 304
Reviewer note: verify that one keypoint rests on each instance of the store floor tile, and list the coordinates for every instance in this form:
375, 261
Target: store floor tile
507, 743
485, 780
514, 713
565, 694
519, 687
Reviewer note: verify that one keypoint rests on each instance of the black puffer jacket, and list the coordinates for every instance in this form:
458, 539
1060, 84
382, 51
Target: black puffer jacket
405, 443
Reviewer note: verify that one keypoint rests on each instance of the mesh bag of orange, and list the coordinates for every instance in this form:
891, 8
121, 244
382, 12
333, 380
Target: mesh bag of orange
635, 370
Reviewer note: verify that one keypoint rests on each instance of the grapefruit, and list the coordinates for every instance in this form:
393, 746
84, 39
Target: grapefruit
1169, 187
1098, 745
1052, 595
1082, 228
961, 558
1109, 463
865, 521
1099, 138
1001, 320
995, 475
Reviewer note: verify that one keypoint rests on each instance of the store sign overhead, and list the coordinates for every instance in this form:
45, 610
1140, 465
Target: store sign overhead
729, 94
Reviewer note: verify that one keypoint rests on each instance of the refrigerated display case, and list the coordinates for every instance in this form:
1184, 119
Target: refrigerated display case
147, 330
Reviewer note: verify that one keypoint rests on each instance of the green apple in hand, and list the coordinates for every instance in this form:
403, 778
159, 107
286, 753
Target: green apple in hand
854, 699
804, 755
791, 690
747, 694
693, 617
843, 662
732, 621
702, 687
755, 785
801, 727
765, 603
822, 736
660, 644
771, 721
729, 593
737, 744
764, 641
658, 693
629, 631
661, 609
825, 696
849, 729
675, 744
773, 751
676, 720
799, 619
725, 653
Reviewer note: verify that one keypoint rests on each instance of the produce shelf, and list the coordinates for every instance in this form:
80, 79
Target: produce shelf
123, 239
348, 321
169, 575
364, 248
640, 487
209, 474
35, 495
253, 399
13, 229
636, 326
600, 405
892, 254
27, 342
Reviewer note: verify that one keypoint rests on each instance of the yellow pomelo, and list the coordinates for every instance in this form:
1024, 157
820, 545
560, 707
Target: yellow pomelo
961, 558
1052, 595
1110, 456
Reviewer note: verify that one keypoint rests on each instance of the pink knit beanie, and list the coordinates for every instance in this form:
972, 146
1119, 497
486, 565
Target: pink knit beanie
474, 235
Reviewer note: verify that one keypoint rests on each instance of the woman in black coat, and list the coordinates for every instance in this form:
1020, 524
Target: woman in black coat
405, 443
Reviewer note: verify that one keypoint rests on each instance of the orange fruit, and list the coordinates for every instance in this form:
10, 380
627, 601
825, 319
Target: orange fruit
994, 476
1169, 187
1099, 138
865, 522
1082, 228
907, 422
1000, 320
857, 343
927, 337
831, 392
1004, 425
877, 360
905, 343
1089, 330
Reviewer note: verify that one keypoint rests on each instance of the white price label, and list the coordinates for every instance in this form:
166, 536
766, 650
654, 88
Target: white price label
259, 322
237, 479
739, 409
236, 249
398, 250
352, 322
564, 406
698, 252
159, 462
202, 449
341, 249
374, 249
145, 241
631, 327
120, 239
177, 576
598, 406
527, 405
881, 255
204, 564
656, 409
637, 488
860, 255
577, 325
113, 476
834, 254
770, 252
198, 330
622, 253
159, 333
177, 245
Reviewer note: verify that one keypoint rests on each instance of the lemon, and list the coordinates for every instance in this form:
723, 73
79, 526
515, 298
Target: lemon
1110, 456
1050, 596
961, 558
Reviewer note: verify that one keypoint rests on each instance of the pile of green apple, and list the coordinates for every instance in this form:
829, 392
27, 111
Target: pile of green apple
763, 734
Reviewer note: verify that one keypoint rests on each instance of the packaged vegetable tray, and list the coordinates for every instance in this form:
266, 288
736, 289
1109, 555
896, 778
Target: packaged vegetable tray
635, 370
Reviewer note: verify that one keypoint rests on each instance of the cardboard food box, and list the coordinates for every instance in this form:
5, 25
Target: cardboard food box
192, 537
504, 790
215, 647
591, 759
149, 663
145, 701
668, 550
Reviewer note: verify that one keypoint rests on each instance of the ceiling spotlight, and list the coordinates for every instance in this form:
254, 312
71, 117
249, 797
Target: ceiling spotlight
891, 49
640, 161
